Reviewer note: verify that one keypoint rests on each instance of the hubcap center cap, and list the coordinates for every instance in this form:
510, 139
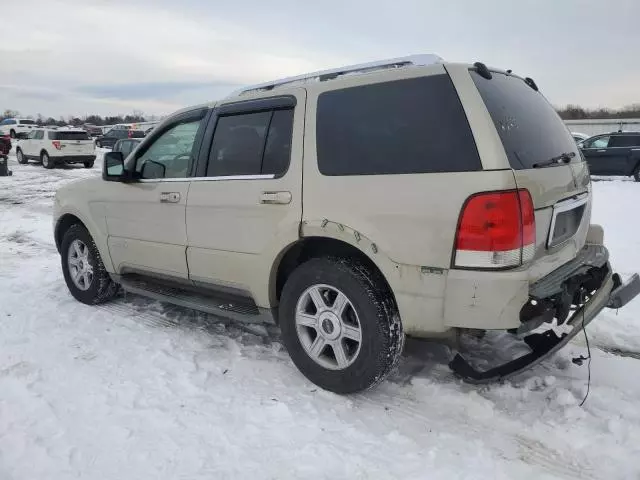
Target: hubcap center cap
329, 326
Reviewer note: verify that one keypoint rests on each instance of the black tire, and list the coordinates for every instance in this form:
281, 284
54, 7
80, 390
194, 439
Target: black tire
88, 164
21, 158
101, 288
46, 161
636, 175
98, 144
12, 134
382, 338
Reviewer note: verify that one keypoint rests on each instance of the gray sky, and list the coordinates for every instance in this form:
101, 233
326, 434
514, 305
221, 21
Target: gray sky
63, 57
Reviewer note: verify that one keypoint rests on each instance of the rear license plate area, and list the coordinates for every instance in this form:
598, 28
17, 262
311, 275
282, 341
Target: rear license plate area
566, 219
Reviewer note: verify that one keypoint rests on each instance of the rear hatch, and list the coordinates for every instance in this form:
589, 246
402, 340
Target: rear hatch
74, 142
546, 161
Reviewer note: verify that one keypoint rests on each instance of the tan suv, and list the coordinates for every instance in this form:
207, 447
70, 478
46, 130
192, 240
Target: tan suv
353, 207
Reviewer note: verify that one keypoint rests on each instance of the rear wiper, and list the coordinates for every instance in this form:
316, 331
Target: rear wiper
559, 160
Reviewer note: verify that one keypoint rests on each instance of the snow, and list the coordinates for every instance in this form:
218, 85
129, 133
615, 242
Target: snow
135, 389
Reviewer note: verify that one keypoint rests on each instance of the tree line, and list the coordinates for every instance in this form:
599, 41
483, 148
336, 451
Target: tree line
576, 112
135, 117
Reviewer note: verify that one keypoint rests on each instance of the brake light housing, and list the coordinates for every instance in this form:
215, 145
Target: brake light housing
56, 144
496, 230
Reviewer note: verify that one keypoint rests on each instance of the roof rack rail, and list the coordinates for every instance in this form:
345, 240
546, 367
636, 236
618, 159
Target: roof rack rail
323, 75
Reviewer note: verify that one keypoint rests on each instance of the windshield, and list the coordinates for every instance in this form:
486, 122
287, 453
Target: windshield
530, 129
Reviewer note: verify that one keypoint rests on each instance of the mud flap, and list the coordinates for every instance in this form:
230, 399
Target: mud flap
545, 344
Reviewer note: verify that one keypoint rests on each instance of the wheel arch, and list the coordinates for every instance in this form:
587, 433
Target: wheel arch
63, 224
315, 246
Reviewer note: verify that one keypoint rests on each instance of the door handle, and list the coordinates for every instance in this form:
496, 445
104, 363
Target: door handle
275, 198
601, 151
169, 197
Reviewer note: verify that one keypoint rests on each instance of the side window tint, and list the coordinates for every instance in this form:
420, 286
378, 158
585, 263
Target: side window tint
277, 152
171, 154
238, 145
39, 134
50, 135
407, 126
624, 141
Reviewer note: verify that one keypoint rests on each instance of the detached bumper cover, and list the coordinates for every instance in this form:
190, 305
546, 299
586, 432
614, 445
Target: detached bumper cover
612, 293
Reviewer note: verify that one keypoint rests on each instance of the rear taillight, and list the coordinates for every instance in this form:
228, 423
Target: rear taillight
56, 143
496, 230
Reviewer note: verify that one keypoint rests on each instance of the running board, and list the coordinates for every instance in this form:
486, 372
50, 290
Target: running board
228, 306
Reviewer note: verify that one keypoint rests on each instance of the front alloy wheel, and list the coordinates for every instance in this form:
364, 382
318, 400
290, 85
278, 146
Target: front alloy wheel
79, 265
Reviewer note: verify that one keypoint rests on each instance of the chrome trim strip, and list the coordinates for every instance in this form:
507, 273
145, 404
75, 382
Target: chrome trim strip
208, 179
561, 207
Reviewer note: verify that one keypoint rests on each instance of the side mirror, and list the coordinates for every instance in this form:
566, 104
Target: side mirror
113, 167
153, 169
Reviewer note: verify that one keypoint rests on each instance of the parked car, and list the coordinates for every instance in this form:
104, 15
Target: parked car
126, 146
92, 130
613, 154
353, 209
54, 147
109, 139
16, 127
579, 137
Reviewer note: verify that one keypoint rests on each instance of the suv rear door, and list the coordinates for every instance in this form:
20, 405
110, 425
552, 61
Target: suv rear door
73, 142
245, 204
532, 134
624, 156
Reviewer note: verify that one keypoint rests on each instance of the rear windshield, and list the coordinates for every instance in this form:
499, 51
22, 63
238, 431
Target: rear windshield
530, 129
136, 134
407, 126
69, 136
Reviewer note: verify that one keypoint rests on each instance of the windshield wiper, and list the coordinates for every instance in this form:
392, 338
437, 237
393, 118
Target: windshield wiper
559, 160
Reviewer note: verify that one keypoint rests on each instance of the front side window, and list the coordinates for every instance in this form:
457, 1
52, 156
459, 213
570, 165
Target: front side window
171, 154
254, 143
32, 136
600, 142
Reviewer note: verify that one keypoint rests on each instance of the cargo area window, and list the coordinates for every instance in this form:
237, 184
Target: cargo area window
408, 126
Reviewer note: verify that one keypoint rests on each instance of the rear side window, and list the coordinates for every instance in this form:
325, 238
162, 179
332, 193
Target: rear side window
530, 129
407, 126
255, 143
625, 141
69, 136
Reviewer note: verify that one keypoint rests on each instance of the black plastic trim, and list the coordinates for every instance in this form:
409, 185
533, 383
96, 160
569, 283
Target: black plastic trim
257, 105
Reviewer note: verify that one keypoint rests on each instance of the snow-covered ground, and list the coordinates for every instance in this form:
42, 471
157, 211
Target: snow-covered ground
140, 390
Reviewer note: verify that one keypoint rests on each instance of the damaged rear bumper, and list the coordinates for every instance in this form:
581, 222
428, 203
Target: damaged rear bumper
612, 293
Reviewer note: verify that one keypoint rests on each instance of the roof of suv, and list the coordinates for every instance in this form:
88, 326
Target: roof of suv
338, 73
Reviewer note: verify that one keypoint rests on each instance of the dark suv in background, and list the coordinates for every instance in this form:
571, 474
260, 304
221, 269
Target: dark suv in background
613, 154
109, 139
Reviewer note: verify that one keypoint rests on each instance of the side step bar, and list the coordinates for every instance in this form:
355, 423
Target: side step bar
222, 305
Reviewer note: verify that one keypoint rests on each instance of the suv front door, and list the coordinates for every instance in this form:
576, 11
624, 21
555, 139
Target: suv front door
33, 144
146, 218
245, 205
602, 158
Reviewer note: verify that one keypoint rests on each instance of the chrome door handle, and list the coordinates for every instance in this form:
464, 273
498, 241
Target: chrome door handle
169, 197
277, 198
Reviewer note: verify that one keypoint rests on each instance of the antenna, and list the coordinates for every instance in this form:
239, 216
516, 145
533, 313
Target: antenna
324, 75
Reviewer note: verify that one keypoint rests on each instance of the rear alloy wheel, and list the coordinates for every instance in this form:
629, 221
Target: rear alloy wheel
46, 160
340, 324
21, 158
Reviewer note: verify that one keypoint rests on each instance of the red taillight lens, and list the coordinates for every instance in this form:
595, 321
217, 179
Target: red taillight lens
496, 230
56, 143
